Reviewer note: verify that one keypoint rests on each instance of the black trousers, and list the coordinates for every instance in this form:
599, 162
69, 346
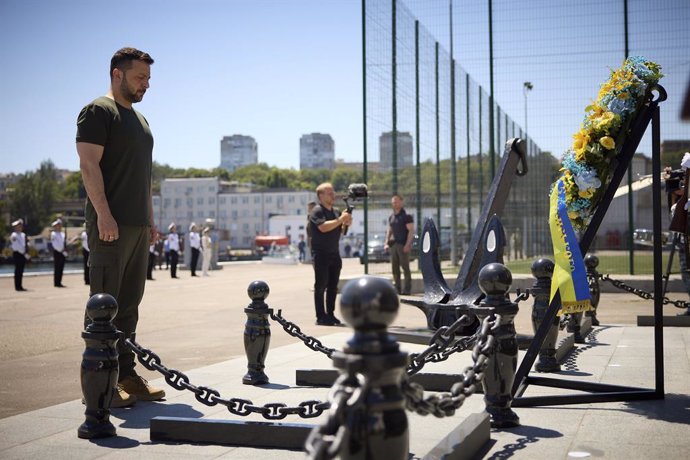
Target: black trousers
86, 254
195, 260
174, 257
327, 268
19, 262
58, 267
149, 269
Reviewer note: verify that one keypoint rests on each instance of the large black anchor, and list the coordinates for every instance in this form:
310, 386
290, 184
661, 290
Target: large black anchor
442, 304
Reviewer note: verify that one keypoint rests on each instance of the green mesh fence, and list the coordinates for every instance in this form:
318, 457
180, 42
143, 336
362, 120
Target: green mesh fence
424, 110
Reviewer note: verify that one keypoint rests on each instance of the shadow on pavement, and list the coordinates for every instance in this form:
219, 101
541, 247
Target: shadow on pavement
117, 442
528, 435
675, 408
139, 416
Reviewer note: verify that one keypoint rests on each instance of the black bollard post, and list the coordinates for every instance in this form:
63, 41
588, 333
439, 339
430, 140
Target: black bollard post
495, 280
592, 262
542, 270
99, 367
378, 429
257, 334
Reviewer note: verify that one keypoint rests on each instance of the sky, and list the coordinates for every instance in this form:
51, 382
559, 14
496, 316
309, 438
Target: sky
278, 69
270, 69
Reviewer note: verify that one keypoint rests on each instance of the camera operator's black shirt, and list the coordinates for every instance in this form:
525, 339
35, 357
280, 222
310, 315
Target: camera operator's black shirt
328, 242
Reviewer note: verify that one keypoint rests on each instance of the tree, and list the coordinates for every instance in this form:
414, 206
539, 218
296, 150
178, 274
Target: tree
33, 197
221, 173
311, 178
73, 188
277, 179
342, 177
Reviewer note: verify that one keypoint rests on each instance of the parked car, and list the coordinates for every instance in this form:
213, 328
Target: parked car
644, 238
376, 252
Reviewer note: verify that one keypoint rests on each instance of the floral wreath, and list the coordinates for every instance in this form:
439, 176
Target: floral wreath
586, 166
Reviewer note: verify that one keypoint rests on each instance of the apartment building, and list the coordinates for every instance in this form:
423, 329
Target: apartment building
316, 151
402, 150
237, 151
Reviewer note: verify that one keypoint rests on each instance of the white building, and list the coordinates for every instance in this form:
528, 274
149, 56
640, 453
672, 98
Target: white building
316, 151
246, 215
237, 151
239, 216
403, 147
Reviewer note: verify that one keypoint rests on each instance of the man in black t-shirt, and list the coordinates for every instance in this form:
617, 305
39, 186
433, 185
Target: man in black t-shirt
399, 242
326, 224
115, 146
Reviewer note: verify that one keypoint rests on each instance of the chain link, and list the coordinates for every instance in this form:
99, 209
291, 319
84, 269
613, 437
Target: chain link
445, 404
347, 395
440, 347
522, 295
295, 331
643, 294
212, 397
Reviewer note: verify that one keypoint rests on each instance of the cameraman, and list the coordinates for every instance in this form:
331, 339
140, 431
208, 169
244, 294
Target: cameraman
675, 181
325, 224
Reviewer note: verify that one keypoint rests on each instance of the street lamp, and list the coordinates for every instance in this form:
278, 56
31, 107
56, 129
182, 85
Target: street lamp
526, 88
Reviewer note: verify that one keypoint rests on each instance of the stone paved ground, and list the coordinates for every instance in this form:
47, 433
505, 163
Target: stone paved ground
197, 323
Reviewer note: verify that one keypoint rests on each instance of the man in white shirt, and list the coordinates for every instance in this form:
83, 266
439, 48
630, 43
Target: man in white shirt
19, 253
85, 252
57, 239
195, 245
174, 245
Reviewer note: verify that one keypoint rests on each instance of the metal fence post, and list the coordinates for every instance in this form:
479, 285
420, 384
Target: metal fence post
99, 367
257, 333
495, 280
542, 270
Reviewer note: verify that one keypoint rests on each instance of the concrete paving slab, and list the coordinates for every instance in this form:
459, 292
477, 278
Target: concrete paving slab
203, 338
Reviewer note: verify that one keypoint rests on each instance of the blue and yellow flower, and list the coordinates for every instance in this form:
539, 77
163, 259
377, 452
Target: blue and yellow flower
594, 145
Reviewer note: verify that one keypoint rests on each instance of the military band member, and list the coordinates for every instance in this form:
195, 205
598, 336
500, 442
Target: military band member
20, 254
57, 239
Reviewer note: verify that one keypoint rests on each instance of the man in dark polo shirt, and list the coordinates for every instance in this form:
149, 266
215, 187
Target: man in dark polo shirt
326, 224
115, 148
399, 242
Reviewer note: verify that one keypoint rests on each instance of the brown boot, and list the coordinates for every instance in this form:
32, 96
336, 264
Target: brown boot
120, 399
137, 386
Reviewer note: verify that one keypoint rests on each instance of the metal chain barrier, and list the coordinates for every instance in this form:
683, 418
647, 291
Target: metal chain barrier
522, 295
441, 343
347, 394
643, 294
211, 397
440, 347
295, 331
445, 404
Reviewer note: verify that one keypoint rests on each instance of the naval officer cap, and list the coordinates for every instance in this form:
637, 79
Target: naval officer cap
18, 222
192, 226
56, 222
171, 226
